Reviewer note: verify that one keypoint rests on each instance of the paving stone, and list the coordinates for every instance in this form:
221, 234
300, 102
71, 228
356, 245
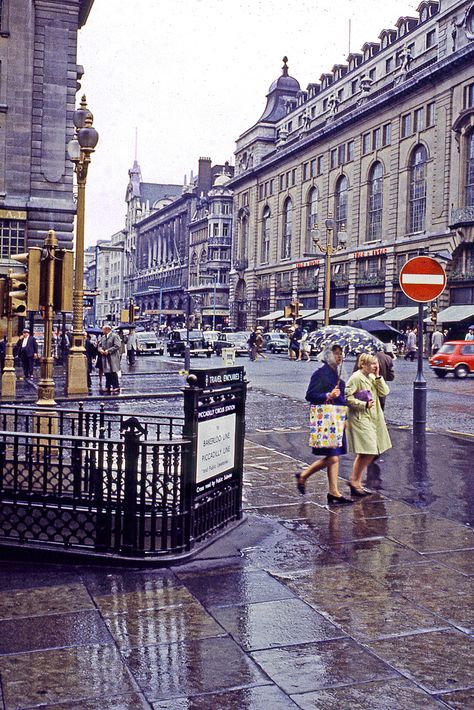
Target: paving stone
152, 598
375, 555
23, 575
290, 554
242, 587
164, 625
277, 623
324, 664
460, 700
103, 582
207, 665
438, 660
57, 676
134, 701
380, 695
44, 600
462, 561
263, 697
80, 628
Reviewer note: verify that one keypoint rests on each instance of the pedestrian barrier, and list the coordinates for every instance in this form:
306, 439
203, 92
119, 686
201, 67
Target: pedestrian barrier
110, 484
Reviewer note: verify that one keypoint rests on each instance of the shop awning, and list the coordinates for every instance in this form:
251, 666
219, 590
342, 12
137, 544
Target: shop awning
362, 313
163, 312
274, 315
399, 314
333, 313
455, 314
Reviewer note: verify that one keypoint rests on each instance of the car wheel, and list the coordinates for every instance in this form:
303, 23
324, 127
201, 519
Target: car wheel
440, 373
461, 371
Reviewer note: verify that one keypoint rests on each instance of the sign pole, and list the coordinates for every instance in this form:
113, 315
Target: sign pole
419, 388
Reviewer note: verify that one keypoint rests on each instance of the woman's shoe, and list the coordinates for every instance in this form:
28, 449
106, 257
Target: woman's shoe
300, 485
338, 500
358, 492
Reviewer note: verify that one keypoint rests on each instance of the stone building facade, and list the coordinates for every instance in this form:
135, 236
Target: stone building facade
378, 158
38, 83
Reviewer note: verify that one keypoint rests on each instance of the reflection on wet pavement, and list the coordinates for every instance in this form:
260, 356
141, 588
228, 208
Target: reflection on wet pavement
367, 607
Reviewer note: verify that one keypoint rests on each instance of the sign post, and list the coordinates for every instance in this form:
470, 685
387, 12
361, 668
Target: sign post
422, 279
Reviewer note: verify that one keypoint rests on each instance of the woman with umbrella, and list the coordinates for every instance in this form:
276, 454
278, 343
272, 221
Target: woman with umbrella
326, 387
367, 433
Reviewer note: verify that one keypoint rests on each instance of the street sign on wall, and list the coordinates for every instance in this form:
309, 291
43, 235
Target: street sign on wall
422, 279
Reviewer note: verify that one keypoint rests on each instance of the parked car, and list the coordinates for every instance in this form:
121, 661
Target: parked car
148, 344
276, 342
197, 342
238, 341
456, 356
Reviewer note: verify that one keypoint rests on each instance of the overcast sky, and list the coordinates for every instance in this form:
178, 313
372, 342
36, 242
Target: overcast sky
192, 75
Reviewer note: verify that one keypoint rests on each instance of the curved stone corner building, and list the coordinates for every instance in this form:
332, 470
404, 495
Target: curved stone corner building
38, 85
383, 146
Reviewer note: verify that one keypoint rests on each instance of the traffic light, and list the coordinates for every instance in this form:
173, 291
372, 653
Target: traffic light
17, 294
133, 312
434, 314
33, 279
293, 310
3, 297
63, 279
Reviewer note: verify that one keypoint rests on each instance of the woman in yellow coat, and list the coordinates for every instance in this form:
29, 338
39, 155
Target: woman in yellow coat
367, 433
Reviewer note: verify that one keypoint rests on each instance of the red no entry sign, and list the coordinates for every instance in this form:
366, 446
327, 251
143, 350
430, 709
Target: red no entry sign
422, 279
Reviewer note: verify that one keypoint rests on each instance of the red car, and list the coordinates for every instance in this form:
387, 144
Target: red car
456, 356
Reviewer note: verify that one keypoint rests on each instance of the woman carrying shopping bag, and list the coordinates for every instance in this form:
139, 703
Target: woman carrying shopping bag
367, 432
327, 420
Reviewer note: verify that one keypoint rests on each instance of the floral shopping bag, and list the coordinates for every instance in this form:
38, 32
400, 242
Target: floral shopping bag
326, 425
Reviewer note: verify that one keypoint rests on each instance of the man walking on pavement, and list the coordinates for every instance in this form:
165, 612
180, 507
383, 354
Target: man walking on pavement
437, 340
27, 350
411, 345
109, 349
132, 346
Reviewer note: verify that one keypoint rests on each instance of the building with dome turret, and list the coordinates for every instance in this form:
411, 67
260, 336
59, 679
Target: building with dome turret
376, 159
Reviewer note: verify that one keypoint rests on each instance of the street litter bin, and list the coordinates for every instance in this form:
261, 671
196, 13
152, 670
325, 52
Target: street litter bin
228, 356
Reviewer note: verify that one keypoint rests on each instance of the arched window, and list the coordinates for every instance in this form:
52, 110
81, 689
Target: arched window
469, 186
341, 206
287, 228
266, 235
417, 191
375, 202
312, 217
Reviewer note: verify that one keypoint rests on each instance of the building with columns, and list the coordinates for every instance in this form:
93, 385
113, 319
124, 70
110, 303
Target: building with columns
38, 85
377, 157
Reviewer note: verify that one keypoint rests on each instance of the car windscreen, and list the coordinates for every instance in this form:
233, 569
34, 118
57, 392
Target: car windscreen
447, 349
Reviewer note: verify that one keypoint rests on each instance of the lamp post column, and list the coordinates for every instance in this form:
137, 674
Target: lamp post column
80, 149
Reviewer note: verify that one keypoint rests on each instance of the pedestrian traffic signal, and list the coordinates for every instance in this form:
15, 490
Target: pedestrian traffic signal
33, 277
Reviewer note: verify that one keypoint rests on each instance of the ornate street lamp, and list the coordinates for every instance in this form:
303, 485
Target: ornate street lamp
328, 249
80, 149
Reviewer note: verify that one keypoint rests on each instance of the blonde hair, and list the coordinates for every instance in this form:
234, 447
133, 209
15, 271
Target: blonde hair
366, 359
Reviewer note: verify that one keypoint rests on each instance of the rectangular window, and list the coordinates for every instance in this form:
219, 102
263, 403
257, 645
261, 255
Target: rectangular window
365, 143
320, 165
354, 85
261, 192
325, 104
333, 158
305, 171
293, 176
313, 168
290, 126
372, 73
282, 182
430, 114
376, 139
287, 179
386, 134
215, 230
406, 125
419, 119
388, 65
340, 94
469, 96
272, 182
245, 199
225, 229
430, 39
350, 151
341, 154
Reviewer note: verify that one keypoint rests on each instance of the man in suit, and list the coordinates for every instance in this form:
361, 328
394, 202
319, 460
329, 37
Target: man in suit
27, 350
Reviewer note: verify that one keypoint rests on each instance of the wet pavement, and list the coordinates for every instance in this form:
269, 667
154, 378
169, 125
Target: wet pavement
301, 606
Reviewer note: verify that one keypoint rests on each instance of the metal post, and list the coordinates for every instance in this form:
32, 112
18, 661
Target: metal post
133, 430
9, 373
327, 292
47, 418
187, 347
419, 389
214, 304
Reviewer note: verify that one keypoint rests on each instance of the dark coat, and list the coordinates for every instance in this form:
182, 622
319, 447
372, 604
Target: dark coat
322, 382
30, 349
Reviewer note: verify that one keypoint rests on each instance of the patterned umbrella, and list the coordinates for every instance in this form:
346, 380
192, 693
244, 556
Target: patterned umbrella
352, 340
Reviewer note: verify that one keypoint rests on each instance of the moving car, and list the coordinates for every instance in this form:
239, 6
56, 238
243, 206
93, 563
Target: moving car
238, 341
148, 344
197, 343
276, 342
456, 356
